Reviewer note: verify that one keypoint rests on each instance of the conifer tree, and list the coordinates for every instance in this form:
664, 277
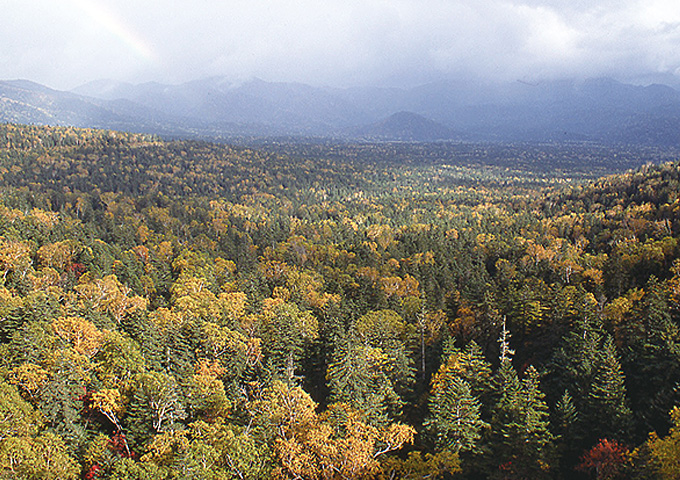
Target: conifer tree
454, 408
155, 406
357, 375
564, 425
565, 414
455, 419
521, 442
587, 366
607, 394
286, 331
652, 359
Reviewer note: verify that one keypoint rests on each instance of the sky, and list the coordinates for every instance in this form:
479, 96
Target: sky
341, 43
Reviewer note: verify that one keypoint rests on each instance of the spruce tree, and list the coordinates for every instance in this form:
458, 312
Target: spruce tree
607, 394
587, 366
521, 442
455, 419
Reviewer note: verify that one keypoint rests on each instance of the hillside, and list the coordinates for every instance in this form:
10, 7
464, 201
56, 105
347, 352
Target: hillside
30, 103
330, 310
404, 126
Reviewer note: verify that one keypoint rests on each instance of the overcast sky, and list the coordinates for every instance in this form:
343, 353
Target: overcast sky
66, 43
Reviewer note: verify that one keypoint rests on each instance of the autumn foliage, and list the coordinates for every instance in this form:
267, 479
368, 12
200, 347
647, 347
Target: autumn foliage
280, 309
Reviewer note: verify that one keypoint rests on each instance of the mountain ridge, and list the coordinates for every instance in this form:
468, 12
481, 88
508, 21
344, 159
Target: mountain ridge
600, 110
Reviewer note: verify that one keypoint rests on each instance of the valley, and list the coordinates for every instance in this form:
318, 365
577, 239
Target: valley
336, 309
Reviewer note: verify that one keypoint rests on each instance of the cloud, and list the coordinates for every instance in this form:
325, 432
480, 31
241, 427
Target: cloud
337, 42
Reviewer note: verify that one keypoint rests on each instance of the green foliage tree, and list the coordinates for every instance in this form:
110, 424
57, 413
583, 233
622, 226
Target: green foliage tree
588, 365
359, 375
652, 357
455, 418
286, 331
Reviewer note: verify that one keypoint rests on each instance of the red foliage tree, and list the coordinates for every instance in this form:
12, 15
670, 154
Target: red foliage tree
606, 460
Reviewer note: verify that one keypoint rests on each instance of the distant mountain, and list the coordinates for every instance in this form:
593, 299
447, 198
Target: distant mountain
285, 108
26, 102
600, 110
660, 126
594, 109
404, 126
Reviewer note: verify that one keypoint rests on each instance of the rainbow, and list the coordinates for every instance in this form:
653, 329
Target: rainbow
113, 24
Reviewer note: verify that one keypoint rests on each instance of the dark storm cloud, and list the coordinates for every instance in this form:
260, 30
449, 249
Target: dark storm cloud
338, 43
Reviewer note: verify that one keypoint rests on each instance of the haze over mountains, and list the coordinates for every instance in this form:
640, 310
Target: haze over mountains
600, 110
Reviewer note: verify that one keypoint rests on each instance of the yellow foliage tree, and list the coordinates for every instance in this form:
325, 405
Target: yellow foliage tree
338, 444
85, 338
665, 452
58, 255
109, 295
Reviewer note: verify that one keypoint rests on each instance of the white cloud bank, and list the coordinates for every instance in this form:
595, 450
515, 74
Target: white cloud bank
336, 42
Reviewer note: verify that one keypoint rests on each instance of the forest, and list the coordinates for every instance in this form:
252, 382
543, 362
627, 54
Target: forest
174, 309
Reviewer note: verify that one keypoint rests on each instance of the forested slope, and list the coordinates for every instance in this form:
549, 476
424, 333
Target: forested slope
191, 310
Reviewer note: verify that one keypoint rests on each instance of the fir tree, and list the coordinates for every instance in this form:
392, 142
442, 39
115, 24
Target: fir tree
607, 394
588, 367
521, 442
455, 419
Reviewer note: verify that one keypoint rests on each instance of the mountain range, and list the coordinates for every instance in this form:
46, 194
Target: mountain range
598, 110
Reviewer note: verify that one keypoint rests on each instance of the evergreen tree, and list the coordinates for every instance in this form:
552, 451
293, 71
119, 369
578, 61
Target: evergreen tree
607, 395
564, 425
358, 375
155, 406
455, 416
521, 444
565, 414
455, 419
386, 330
286, 332
652, 360
587, 367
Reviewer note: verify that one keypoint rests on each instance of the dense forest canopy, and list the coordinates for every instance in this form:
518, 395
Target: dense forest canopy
182, 309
